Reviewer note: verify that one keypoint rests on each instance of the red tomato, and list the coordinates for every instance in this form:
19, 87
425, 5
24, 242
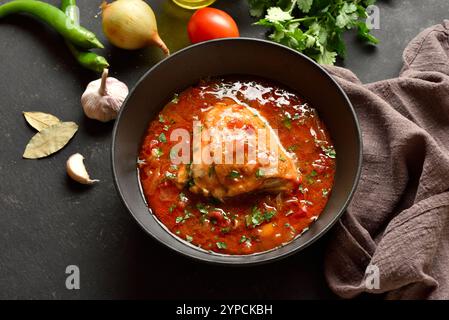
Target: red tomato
210, 23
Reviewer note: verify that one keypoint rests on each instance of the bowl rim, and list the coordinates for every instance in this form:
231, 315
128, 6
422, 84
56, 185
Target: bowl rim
319, 234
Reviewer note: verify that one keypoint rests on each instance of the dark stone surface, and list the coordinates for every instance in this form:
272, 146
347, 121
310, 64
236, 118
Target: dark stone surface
48, 222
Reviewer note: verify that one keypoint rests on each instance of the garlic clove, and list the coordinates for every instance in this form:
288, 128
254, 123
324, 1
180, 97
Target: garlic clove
77, 170
104, 97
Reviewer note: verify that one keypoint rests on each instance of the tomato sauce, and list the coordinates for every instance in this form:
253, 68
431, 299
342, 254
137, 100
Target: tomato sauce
253, 222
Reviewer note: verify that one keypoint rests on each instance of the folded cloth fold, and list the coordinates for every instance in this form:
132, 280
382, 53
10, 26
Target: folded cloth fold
398, 221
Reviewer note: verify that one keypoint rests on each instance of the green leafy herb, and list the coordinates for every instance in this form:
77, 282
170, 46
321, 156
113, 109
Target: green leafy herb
221, 245
171, 208
161, 118
256, 217
175, 98
314, 27
325, 192
170, 175
182, 197
292, 148
189, 238
268, 215
234, 174
179, 219
202, 208
287, 122
329, 151
260, 173
162, 138
157, 152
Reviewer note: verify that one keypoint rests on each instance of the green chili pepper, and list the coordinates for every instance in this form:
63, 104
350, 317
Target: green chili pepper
55, 18
87, 59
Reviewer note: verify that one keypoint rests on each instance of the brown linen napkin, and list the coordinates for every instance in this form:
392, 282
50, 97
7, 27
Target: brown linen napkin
398, 220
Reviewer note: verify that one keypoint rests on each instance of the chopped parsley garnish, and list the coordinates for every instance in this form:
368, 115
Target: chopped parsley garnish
179, 219
302, 189
225, 230
161, 118
157, 152
313, 173
287, 122
182, 197
189, 238
292, 148
329, 151
170, 175
166, 127
244, 239
175, 98
221, 245
162, 138
257, 217
268, 215
202, 208
182, 219
260, 173
234, 174
325, 192
171, 208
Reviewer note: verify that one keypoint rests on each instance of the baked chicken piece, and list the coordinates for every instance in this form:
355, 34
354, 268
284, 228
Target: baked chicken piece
238, 153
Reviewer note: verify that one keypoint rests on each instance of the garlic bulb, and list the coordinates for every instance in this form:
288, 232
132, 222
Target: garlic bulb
104, 97
77, 170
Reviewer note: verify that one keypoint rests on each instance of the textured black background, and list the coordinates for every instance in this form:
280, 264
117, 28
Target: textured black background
48, 222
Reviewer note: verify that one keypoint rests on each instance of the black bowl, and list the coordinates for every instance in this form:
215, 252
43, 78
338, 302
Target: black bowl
249, 57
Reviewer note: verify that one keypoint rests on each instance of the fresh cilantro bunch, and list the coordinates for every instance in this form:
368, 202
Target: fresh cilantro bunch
314, 27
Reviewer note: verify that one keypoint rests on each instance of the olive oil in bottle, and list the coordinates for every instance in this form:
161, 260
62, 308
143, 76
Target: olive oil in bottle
193, 4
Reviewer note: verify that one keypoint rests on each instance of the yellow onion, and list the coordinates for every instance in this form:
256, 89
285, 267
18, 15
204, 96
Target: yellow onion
131, 24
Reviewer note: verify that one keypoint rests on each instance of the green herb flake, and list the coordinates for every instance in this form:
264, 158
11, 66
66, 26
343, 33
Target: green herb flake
243, 239
157, 152
161, 118
234, 174
189, 238
260, 173
170, 175
172, 208
268, 215
162, 138
183, 197
221, 245
202, 208
292, 148
179, 219
175, 99
329, 152
287, 122
325, 193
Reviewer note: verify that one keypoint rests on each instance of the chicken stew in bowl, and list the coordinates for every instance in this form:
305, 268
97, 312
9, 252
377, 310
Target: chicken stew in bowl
237, 166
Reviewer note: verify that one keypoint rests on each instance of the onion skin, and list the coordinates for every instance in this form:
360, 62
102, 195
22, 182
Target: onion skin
131, 25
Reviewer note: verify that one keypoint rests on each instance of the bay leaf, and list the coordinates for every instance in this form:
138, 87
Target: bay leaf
40, 120
50, 140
